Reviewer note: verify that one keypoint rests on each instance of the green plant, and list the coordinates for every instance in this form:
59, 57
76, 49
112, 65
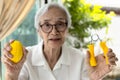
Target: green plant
84, 18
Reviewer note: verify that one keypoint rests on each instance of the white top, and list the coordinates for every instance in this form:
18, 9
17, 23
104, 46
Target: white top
70, 65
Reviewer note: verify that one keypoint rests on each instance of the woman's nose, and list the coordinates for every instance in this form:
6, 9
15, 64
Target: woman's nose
54, 30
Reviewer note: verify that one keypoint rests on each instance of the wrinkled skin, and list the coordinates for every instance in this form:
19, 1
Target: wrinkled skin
99, 71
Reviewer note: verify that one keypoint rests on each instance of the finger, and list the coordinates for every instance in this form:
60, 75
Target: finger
12, 40
24, 55
111, 54
25, 50
100, 58
116, 59
6, 44
112, 63
6, 53
7, 61
110, 50
7, 47
88, 57
113, 60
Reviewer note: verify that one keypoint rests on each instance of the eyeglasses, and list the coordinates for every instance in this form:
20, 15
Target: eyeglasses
59, 26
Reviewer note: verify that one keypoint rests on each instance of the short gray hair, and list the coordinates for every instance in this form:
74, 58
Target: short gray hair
44, 8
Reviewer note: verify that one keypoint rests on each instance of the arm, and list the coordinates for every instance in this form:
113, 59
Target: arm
101, 69
12, 69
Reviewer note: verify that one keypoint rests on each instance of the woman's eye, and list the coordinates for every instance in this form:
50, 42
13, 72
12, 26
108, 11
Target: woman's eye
59, 24
47, 25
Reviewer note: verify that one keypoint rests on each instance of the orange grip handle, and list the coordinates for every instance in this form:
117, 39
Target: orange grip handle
105, 50
92, 56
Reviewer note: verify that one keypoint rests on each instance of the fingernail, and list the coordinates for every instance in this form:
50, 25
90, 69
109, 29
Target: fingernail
8, 48
116, 59
10, 55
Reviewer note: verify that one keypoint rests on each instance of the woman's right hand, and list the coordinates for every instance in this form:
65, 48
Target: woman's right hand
12, 69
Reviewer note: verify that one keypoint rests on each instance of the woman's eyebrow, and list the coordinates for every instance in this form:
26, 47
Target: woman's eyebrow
61, 19
46, 20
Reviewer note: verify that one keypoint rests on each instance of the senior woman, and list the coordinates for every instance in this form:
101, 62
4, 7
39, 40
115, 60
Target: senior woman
51, 59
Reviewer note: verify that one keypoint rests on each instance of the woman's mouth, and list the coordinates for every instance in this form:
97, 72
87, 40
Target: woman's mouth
55, 39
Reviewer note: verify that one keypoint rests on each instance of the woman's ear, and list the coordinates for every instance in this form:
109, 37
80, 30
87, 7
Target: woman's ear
67, 31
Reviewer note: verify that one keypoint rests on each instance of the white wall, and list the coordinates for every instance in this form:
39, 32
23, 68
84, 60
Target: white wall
107, 3
114, 33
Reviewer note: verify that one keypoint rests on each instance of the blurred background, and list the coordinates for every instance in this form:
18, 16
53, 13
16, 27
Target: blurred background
89, 17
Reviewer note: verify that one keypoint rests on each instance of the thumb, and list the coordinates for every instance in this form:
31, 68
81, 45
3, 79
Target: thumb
25, 52
88, 58
91, 59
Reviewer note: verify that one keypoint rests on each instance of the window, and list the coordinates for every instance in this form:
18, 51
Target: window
25, 33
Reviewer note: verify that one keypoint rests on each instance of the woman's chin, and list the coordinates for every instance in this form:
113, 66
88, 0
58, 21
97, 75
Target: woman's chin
55, 44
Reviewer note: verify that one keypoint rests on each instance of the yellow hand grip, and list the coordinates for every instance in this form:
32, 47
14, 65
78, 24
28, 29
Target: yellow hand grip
105, 50
92, 56
16, 51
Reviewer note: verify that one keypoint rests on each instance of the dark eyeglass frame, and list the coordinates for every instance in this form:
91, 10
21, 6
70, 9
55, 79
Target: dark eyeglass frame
57, 29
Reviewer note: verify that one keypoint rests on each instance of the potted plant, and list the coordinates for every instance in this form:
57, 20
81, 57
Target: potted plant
85, 17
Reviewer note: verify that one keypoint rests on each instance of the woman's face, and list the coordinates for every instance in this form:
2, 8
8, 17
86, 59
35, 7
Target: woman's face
53, 27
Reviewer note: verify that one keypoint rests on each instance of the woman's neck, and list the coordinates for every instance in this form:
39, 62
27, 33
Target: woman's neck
52, 55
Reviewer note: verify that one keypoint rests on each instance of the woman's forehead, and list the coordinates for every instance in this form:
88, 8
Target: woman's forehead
55, 19
54, 13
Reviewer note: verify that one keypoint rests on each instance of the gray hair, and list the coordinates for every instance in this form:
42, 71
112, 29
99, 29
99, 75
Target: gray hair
44, 9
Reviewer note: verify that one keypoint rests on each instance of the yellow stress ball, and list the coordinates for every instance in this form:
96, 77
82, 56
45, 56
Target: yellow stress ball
16, 51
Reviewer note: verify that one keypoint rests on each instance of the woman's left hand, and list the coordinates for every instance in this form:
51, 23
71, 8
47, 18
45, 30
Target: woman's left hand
102, 68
